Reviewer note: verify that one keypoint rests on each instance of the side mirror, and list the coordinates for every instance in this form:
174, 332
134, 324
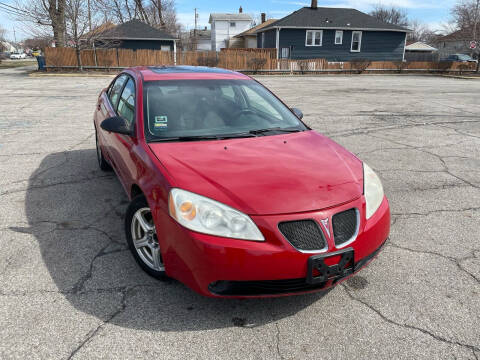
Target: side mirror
298, 113
116, 124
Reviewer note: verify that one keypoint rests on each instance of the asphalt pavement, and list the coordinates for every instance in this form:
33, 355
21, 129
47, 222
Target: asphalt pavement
69, 287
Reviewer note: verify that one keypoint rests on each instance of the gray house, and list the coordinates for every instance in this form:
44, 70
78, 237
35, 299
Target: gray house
335, 34
135, 35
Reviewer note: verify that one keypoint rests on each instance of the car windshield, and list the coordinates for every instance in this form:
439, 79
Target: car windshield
196, 109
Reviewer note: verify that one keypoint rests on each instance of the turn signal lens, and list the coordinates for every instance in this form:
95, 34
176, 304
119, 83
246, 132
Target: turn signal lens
188, 211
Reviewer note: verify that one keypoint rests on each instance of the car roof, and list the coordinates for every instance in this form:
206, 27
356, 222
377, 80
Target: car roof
182, 72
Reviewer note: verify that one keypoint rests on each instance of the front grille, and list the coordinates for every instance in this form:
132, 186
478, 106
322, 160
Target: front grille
303, 234
344, 226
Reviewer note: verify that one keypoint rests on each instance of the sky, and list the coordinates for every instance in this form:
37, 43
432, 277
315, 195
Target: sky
431, 12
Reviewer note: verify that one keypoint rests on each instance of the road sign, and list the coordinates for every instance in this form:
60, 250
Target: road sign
473, 45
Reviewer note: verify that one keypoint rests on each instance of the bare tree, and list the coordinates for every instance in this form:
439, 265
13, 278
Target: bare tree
2, 38
421, 32
44, 13
158, 13
392, 15
3, 32
465, 14
76, 15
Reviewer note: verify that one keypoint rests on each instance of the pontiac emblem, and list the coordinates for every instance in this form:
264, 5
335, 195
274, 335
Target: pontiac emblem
325, 226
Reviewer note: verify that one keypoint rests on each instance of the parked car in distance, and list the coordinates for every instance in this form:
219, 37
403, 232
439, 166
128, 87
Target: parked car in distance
230, 192
459, 58
16, 56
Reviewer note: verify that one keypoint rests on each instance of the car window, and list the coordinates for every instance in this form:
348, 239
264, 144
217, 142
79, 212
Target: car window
126, 104
115, 90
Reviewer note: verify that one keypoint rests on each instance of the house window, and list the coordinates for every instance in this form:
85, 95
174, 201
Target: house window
232, 24
338, 37
314, 38
285, 54
263, 40
356, 41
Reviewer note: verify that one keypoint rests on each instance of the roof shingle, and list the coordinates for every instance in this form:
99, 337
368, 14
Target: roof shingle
134, 30
335, 18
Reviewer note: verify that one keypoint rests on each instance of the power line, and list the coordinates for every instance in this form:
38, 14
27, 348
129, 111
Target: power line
12, 8
11, 11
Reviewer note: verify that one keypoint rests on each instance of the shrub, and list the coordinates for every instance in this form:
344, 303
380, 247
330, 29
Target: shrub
256, 64
464, 67
360, 65
444, 66
210, 61
303, 66
400, 65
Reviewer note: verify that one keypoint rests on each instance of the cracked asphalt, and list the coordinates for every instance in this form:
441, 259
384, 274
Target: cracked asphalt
70, 289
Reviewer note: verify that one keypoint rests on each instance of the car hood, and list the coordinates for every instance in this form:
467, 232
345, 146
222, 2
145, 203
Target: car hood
268, 174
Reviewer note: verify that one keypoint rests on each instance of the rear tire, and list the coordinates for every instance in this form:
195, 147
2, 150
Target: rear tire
142, 238
102, 163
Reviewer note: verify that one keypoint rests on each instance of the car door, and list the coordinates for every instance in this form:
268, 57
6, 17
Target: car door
107, 107
122, 145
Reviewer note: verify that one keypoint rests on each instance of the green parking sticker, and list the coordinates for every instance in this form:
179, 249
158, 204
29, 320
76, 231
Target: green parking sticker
161, 123
161, 119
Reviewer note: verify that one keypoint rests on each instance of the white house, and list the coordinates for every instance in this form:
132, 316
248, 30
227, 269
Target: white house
7, 46
203, 39
225, 26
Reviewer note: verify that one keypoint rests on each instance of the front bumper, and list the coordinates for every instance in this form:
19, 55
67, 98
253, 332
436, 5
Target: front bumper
222, 267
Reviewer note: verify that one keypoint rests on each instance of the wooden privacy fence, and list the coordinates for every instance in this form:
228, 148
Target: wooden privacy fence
254, 60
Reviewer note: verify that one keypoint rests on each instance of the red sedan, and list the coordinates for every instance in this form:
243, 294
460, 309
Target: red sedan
231, 193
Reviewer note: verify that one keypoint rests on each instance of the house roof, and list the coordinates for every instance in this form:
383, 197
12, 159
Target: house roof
335, 18
201, 34
253, 30
98, 30
229, 17
134, 30
465, 34
419, 46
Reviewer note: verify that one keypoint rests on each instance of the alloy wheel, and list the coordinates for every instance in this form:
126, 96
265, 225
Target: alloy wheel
145, 240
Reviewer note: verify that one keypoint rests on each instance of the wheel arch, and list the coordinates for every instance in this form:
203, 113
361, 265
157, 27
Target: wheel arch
135, 190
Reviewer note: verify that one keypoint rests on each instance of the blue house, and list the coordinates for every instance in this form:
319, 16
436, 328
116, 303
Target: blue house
334, 34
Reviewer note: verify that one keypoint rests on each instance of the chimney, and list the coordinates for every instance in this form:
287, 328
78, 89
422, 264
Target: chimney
314, 4
240, 10
263, 17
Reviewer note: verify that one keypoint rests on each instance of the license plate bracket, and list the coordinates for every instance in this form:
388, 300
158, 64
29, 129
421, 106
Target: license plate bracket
318, 271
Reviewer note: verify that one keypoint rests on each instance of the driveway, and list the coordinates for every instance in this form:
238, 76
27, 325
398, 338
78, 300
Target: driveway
69, 287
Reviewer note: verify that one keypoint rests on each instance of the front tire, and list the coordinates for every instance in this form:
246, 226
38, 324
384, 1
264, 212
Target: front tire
142, 238
102, 163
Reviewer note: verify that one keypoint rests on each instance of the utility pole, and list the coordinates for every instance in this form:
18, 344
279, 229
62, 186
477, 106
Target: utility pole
195, 30
475, 24
89, 16
196, 18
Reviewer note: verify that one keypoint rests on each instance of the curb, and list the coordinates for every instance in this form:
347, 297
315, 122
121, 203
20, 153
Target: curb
38, 74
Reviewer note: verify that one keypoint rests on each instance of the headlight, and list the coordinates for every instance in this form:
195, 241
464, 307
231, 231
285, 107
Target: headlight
373, 190
208, 216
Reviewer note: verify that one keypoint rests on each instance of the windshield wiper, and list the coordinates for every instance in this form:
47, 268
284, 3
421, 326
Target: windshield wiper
204, 137
279, 129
